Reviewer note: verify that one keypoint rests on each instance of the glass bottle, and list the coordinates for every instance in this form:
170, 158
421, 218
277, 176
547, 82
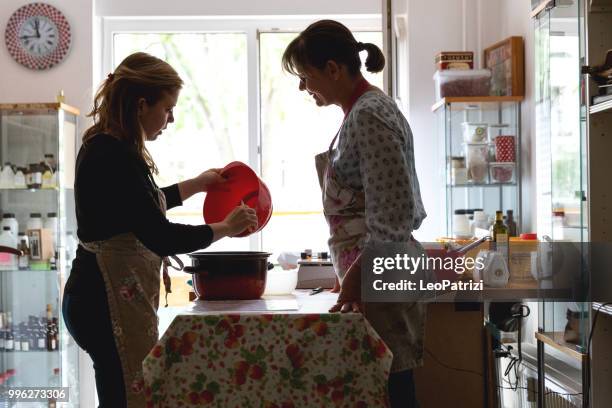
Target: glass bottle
9, 339
41, 338
20, 177
500, 235
47, 175
25, 342
49, 336
50, 161
34, 177
55, 333
2, 320
511, 224
23, 262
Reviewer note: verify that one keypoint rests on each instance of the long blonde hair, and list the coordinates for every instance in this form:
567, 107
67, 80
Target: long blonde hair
115, 109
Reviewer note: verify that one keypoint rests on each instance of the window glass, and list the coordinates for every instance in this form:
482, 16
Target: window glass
211, 123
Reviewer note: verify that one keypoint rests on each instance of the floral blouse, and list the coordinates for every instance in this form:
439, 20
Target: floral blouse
375, 154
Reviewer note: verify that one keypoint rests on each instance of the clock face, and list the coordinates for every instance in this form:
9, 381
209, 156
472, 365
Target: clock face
38, 36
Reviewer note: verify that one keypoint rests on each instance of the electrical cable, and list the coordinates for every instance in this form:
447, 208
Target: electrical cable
535, 391
450, 367
519, 312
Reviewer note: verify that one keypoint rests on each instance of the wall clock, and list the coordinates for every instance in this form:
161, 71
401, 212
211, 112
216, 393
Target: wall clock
38, 36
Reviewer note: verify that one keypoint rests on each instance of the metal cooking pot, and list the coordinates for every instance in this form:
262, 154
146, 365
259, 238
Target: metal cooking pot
229, 275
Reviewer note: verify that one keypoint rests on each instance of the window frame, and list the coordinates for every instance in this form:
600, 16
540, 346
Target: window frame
251, 26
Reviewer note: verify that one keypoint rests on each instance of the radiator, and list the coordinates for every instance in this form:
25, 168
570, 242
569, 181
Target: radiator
525, 395
553, 399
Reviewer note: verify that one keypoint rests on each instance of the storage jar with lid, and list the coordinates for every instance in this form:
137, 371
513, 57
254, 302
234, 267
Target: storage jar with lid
20, 178
7, 176
51, 223
474, 132
9, 220
461, 224
523, 256
481, 222
477, 158
469, 82
502, 172
34, 222
8, 261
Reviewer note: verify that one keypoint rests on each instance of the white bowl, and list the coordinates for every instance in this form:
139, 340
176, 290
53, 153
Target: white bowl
280, 281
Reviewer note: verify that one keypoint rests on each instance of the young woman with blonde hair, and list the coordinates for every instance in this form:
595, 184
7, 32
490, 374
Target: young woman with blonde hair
112, 295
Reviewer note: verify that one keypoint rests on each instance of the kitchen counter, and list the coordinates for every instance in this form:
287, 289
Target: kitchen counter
283, 351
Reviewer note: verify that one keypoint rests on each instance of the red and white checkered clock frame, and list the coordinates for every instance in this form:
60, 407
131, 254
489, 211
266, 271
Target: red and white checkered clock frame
20, 54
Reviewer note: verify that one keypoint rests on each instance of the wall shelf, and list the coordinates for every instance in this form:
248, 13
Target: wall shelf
555, 340
482, 185
35, 108
601, 107
474, 100
605, 309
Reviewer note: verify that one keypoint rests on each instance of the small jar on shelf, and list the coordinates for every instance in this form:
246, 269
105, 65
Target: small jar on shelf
458, 170
474, 132
477, 158
34, 176
502, 172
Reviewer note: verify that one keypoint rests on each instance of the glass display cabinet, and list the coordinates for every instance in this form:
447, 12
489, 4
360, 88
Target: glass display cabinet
596, 121
482, 155
37, 150
562, 206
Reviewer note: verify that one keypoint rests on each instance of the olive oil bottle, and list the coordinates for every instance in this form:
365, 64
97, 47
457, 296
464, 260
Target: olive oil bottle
500, 235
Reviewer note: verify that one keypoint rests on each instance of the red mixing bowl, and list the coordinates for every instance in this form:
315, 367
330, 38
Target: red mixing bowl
242, 186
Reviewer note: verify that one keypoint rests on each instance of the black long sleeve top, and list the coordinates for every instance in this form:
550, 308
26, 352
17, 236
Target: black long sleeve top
114, 194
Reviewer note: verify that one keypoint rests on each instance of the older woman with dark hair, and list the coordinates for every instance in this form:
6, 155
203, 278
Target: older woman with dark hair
369, 183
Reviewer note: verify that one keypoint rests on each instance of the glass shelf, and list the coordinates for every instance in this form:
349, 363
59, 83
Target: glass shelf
482, 185
20, 354
32, 190
555, 340
601, 107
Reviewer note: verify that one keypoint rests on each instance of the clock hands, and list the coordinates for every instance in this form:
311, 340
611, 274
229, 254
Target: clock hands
36, 26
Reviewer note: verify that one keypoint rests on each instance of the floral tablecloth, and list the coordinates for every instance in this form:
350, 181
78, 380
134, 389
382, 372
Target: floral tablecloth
272, 360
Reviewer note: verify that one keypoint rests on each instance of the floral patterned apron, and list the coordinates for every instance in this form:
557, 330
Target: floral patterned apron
131, 278
400, 325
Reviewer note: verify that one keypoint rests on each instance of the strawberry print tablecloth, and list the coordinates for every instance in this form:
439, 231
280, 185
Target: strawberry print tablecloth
271, 360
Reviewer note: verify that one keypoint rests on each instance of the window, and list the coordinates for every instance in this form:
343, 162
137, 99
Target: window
210, 117
237, 104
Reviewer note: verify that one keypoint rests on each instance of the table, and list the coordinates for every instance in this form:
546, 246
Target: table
253, 354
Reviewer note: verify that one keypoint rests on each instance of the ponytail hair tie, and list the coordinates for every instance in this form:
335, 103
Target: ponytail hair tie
360, 46
111, 76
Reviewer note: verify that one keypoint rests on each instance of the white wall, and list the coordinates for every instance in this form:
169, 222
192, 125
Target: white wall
456, 25
73, 75
517, 22
111, 8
